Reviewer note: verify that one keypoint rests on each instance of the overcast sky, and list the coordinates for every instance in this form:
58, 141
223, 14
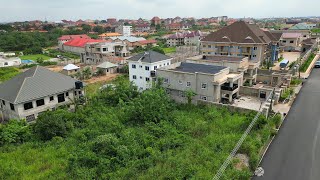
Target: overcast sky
54, 10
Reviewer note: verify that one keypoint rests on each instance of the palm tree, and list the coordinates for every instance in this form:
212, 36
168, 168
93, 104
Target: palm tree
86, 73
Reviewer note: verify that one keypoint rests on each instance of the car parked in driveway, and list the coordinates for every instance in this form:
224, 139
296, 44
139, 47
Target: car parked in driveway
317, 64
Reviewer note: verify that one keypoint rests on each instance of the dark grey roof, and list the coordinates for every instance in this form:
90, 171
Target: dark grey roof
150, 57
223, 58
37, 82
201, 68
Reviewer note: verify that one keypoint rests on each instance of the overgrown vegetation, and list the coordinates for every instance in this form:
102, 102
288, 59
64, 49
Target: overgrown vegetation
124, 134
295, 81
286, 94
7, 73
307, 63
35, 57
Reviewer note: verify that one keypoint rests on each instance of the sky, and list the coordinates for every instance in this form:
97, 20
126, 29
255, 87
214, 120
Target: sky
55, 10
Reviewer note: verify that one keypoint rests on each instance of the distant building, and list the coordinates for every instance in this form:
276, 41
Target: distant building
156, 20
142, 28
35, 91
143, 66
132, 41
124, 30
111, 20
303, 26
291, 41
66, 38
77, 45
107, 68
97, 53
108, 35
210, 83
189, 38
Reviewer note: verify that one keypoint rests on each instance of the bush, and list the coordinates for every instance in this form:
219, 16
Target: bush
15, 131
51, 124
295, 81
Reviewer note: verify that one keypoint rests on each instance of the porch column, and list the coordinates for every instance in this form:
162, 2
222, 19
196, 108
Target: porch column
230, 97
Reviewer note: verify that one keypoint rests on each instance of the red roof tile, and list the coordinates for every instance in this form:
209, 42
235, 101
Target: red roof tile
81, 42
150, 41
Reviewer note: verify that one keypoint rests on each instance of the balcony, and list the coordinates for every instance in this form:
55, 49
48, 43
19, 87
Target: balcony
226, 87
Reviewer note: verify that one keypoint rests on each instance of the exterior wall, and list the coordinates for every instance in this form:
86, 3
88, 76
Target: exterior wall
124, 30
290, 44
176, 84
72, 49
20, 113
10, 62
254, 52
141, 73
70, 72
175, 42
108, 70
192, 41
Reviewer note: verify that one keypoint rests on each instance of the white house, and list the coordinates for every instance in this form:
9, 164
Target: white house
124, 30
6, 62
143, 66
35, 91
70, 69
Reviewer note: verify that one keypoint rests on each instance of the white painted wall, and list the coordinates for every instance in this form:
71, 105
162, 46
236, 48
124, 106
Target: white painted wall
141, 73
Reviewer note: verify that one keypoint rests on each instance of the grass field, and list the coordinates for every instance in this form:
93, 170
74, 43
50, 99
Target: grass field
7, 73
35, 57
169, 50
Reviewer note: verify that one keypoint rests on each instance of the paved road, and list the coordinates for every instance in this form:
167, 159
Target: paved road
295, 152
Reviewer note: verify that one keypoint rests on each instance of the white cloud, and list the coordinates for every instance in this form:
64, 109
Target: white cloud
19, 10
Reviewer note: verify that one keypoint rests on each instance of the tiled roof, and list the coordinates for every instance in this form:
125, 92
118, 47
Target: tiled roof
240, 32
35, 83
68, 37
150, 41
80, 42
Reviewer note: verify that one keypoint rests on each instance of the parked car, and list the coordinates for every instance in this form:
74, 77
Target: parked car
317, 65
284, 63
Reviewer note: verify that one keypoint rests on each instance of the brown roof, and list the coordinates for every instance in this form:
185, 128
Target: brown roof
277, 35
240, 32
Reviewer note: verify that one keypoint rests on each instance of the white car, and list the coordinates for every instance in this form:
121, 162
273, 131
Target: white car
317, 65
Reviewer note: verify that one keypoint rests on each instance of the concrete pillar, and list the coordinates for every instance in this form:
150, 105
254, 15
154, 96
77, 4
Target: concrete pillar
230, 97
231, 84
216, 93
250, 82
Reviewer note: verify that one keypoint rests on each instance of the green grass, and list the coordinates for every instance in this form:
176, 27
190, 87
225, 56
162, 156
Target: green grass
7, 73
307, 63
35, 57
169, 50
315, 30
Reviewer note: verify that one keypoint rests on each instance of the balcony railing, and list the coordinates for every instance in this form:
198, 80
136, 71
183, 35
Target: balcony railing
226, 87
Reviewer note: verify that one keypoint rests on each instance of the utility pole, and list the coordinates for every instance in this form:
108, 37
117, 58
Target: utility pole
299, 63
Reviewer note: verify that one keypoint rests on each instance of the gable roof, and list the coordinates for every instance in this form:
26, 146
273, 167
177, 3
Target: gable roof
149, 57
240, 32
106, 65
35, 83
300, 26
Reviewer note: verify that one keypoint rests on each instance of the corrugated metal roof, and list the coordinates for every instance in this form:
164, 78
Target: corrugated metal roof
200, 68
35, 83
106, 65
150, 57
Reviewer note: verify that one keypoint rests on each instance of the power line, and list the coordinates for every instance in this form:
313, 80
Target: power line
239, 143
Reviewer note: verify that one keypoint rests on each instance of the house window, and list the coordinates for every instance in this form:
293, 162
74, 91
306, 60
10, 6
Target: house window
147, 79
104, 49
133, 66
254, 55
209, 46
291, 42
166, 80
188, 84
134, 77
140, 66
6, 63
51, 98
61, 98
40, 102
168, 64
28, 105
140, 77
203, 98
12, 107
204, 46
154, 67
204, 85
284, 41
255, 48
147, 68
67, 94
3, 102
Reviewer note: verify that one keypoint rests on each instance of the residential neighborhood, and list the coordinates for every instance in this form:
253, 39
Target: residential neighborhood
159, 90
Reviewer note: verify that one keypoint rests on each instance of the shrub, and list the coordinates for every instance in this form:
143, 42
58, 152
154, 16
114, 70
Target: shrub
51, 124
15, 131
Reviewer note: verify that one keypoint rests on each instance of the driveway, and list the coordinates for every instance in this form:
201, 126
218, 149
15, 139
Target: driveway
291, 56
295, 152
